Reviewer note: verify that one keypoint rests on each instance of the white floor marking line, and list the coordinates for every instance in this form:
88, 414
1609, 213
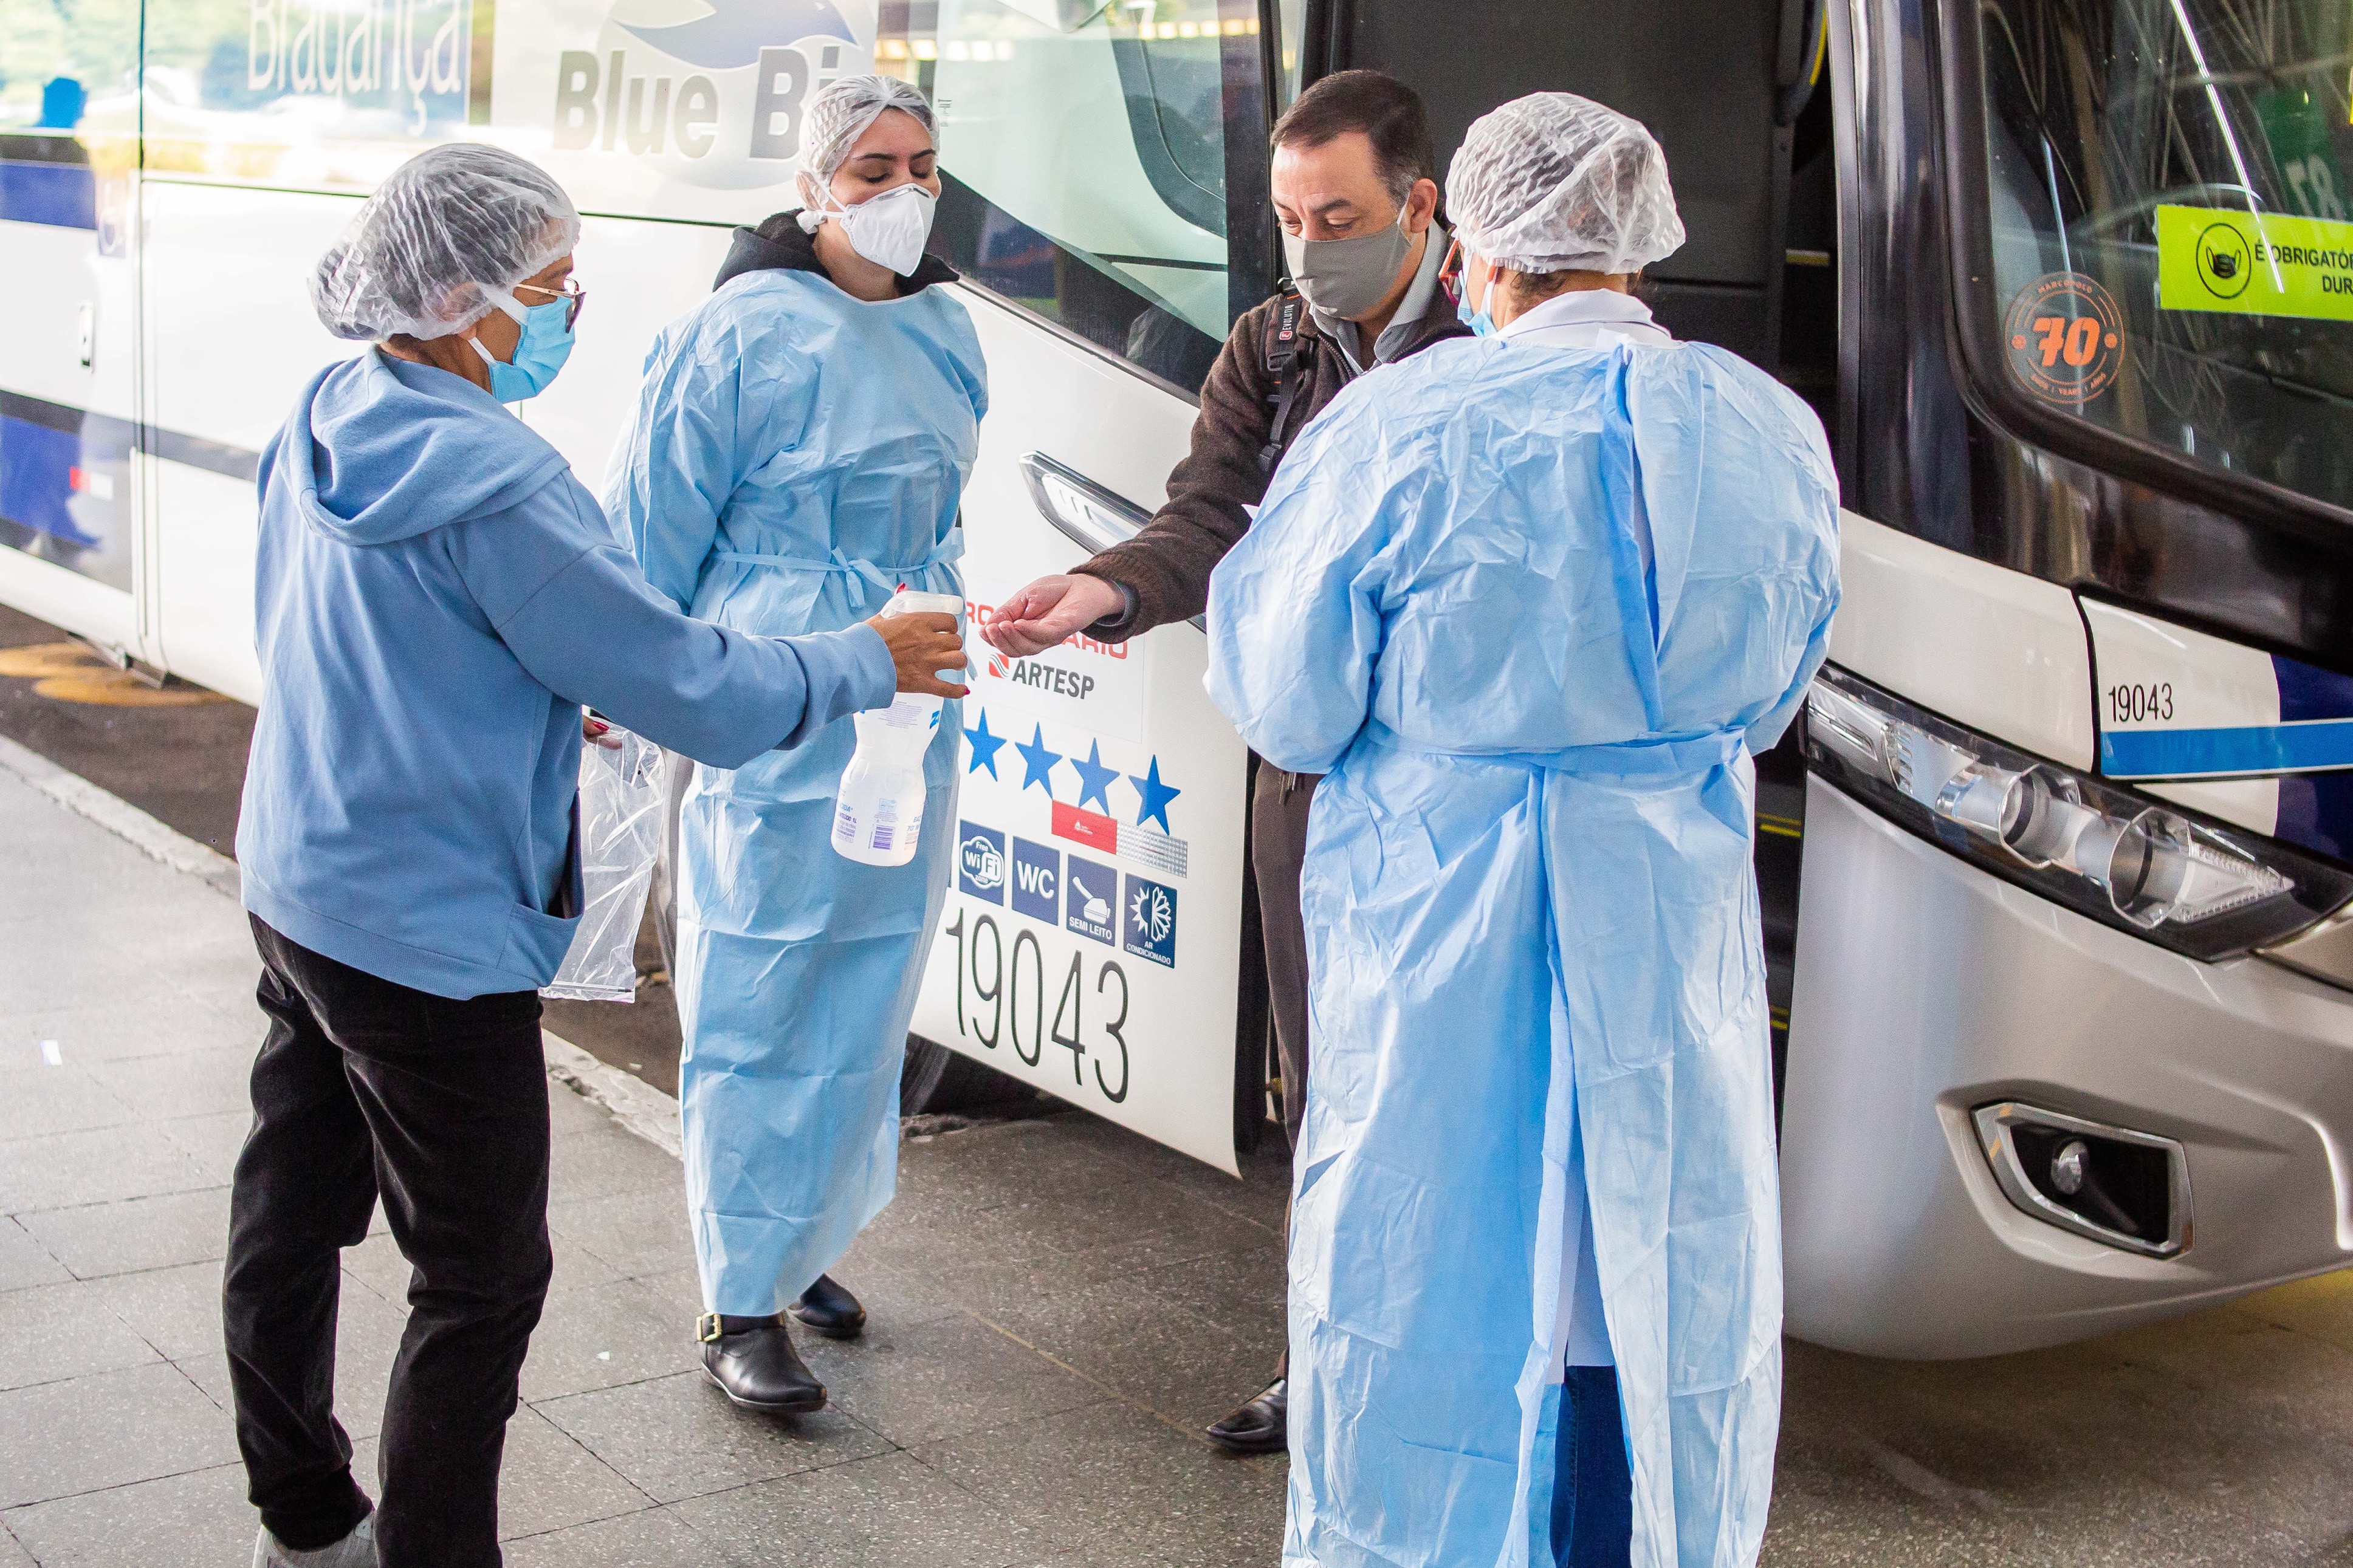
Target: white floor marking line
121, 818
633, 1102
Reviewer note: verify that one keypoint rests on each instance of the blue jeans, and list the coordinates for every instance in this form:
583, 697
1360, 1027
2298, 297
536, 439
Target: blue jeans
1593, 1488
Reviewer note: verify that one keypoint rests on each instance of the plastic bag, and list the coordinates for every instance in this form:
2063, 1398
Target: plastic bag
624, 802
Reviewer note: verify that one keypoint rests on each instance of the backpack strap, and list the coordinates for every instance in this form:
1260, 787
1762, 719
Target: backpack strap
1282, 348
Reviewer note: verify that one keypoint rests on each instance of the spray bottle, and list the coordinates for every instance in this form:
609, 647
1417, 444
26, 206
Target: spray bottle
878, 814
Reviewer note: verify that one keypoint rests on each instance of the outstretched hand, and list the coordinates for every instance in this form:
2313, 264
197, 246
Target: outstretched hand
1050, 610
921, 646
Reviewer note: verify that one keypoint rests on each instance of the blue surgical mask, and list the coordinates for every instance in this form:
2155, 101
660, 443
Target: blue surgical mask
545, 345
1481, 323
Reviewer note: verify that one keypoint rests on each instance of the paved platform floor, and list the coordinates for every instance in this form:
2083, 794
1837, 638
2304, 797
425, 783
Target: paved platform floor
1058, 1306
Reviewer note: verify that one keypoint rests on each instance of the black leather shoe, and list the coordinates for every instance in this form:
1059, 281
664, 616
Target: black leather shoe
830, 1310
753, 1362
1258, 1426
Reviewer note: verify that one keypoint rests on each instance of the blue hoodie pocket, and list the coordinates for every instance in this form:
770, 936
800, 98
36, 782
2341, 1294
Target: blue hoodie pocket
536, 943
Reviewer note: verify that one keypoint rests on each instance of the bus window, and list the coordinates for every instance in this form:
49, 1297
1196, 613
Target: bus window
1291, 25
2167, 213
1085, 156
69, 141
281, 93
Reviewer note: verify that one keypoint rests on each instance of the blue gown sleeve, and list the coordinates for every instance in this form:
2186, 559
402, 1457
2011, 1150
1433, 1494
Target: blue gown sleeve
575, 612
718, 381
1296, 607
1767, 732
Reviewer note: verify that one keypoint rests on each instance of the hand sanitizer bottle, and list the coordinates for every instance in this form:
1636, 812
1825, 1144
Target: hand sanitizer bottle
878, 815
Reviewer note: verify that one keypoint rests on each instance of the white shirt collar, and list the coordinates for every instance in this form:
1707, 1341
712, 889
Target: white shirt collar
1588, 318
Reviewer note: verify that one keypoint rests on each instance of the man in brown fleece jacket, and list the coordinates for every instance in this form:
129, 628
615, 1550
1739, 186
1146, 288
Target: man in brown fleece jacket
1354, 186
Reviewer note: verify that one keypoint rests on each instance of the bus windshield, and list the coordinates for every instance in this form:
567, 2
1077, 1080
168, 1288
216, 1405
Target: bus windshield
2169, 218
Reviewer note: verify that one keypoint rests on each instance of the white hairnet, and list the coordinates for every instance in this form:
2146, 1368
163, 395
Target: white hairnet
1554, 183
839, 115
449, 227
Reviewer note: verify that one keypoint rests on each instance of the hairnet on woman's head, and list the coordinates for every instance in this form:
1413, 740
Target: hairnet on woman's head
1555, 183
839, 115
450, 227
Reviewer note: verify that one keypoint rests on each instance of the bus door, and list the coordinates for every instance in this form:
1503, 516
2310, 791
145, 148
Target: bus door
1729, 90
1720, 85
1105, 170
69, 153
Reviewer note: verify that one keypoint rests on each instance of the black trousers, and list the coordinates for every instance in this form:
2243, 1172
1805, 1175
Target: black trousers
1278, 806
366, 1088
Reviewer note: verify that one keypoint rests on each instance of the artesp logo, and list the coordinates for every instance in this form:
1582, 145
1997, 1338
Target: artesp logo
733, 79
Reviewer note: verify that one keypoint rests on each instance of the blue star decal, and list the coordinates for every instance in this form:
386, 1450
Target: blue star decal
1157, 796
1037, 762
1094, 778
984, 747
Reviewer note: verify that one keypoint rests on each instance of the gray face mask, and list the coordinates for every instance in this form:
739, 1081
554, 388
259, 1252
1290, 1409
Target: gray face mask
1347, 278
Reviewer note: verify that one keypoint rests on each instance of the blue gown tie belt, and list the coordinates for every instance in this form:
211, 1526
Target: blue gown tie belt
1679, 756
864, 575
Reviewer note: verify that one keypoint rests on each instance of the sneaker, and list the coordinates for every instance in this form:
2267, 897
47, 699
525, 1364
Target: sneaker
356, 1549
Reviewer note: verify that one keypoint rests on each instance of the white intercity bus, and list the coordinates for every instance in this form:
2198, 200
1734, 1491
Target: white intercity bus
2055, 870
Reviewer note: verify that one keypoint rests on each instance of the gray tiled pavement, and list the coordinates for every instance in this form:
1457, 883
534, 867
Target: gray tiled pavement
1057, 1306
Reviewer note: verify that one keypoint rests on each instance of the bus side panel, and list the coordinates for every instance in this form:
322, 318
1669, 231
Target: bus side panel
1094, 917
640, 278
1994, 649
230, 340
68, 502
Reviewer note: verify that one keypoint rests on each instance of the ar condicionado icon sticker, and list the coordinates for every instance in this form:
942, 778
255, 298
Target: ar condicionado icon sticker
2065, 338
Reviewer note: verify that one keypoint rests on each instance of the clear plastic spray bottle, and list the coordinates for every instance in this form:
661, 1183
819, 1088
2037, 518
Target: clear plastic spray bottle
878, 814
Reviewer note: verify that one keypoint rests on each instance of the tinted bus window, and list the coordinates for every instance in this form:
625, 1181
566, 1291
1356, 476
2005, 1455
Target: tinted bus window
2171, 224
1086, 151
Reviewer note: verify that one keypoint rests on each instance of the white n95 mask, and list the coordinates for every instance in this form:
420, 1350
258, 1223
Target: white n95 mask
890, 229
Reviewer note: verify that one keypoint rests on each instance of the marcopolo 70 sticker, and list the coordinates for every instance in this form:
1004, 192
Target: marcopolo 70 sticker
2065, 338
2237, 263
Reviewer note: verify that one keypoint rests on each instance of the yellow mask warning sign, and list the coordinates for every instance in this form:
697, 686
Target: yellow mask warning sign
2208, 258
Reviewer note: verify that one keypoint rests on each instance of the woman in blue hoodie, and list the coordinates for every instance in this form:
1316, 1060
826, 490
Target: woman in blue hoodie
436, 598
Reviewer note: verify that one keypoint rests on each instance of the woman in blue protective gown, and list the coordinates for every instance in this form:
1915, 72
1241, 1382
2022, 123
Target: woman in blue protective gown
1533, 600
798, 451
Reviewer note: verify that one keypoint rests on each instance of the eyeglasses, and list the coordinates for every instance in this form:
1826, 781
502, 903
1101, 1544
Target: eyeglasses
1450, 270
573, 296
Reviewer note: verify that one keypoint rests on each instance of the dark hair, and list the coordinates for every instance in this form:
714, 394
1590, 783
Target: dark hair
1383, 109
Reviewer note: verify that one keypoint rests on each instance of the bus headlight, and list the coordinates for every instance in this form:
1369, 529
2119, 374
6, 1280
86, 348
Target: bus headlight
2198, 887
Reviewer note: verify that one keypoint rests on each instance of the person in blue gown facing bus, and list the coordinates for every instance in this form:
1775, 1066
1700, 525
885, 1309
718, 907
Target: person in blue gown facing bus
798, 452
1530, 601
